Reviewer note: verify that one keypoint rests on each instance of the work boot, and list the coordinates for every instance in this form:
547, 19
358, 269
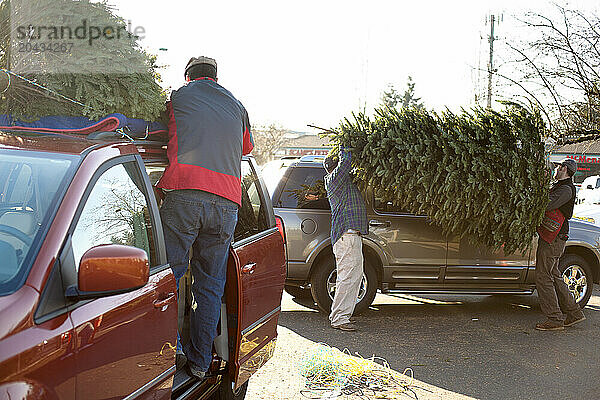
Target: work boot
195, 371
574, 318
550, 325
347, 327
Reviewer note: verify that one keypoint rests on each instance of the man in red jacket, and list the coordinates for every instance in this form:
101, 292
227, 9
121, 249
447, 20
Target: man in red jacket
209, 131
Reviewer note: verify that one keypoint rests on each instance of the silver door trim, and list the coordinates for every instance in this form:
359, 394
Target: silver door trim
152, 383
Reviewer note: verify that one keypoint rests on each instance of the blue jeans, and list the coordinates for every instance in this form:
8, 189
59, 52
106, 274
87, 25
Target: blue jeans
204, 222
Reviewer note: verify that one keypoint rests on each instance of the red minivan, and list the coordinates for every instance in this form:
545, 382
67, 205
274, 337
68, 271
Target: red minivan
88, 304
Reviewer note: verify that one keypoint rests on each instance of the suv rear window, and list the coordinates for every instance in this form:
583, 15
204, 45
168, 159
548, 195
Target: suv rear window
305, 188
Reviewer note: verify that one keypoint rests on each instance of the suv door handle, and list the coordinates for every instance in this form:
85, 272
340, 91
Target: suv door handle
248, 268
379, 224
164, 302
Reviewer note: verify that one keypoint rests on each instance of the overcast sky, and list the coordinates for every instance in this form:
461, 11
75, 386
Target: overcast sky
313, 62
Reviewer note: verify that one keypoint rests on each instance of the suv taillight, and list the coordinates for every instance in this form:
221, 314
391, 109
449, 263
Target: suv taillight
279, 223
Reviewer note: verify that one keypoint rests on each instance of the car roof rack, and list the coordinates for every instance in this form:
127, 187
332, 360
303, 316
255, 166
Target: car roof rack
312, 158
102, 136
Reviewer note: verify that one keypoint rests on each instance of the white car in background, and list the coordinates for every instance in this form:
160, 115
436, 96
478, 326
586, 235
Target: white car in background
587, 212
590, 191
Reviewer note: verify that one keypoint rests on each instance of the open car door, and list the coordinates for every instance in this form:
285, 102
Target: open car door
257, 265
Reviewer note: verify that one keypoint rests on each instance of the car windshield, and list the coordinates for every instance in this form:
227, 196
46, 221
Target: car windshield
30, 186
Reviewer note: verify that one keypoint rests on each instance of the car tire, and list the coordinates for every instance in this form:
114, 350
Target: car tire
225, 392
298, 292
578, 276
324, 276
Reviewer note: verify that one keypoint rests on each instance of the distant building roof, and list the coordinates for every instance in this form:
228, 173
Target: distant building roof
307, 141
587, 147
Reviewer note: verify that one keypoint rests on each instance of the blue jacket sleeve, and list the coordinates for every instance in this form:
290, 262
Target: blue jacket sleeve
341, 173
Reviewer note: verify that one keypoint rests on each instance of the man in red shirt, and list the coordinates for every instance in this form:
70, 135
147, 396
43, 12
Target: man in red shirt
209, 131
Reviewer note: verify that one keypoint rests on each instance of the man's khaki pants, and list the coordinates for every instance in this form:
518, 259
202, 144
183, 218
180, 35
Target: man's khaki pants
553, 293
349, 265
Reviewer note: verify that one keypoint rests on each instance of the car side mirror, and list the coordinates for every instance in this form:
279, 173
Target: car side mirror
589, 187
110, 269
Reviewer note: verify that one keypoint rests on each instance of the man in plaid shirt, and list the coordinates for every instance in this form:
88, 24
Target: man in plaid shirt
348, 223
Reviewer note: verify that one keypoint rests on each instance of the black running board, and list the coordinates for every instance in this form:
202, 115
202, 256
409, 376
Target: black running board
186, 386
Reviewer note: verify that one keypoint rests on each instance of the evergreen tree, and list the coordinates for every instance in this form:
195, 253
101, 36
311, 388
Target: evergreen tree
390, 97
479, 176
408, 98
105, 75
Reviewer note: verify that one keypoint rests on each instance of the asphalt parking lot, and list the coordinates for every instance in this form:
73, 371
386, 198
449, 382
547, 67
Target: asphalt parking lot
482, 347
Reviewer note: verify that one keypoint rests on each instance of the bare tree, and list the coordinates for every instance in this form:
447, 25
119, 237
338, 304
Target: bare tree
267, 141
558, 69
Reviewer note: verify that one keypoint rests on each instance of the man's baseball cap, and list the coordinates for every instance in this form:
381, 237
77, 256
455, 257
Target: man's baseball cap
570, 164
200, 60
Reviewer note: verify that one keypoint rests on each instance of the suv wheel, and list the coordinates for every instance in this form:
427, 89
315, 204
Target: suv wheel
577, 274
322, 285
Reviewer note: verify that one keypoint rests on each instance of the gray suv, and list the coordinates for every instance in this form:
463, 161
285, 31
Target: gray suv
407, 253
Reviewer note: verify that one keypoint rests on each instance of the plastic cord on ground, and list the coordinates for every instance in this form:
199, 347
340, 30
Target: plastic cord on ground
329, 373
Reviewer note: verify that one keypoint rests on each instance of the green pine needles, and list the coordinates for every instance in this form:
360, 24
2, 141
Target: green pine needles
80, 49
480, 176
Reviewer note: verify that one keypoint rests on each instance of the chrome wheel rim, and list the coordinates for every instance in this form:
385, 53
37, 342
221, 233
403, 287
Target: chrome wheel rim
574, 277
331, 286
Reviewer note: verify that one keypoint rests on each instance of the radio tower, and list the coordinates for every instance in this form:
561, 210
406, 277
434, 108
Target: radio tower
491, 70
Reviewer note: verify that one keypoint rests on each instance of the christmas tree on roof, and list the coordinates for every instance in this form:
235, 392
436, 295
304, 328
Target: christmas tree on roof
74, 58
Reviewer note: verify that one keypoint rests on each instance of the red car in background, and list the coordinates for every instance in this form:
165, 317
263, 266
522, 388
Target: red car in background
88, 303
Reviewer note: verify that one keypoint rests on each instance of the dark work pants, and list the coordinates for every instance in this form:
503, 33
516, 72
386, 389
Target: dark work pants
205, 222
554, 295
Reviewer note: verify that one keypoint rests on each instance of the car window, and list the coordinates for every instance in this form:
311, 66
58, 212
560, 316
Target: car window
591, 181
116, 212
31, 185
252, 215
597, 183
305, 189
385, 206
273, 171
